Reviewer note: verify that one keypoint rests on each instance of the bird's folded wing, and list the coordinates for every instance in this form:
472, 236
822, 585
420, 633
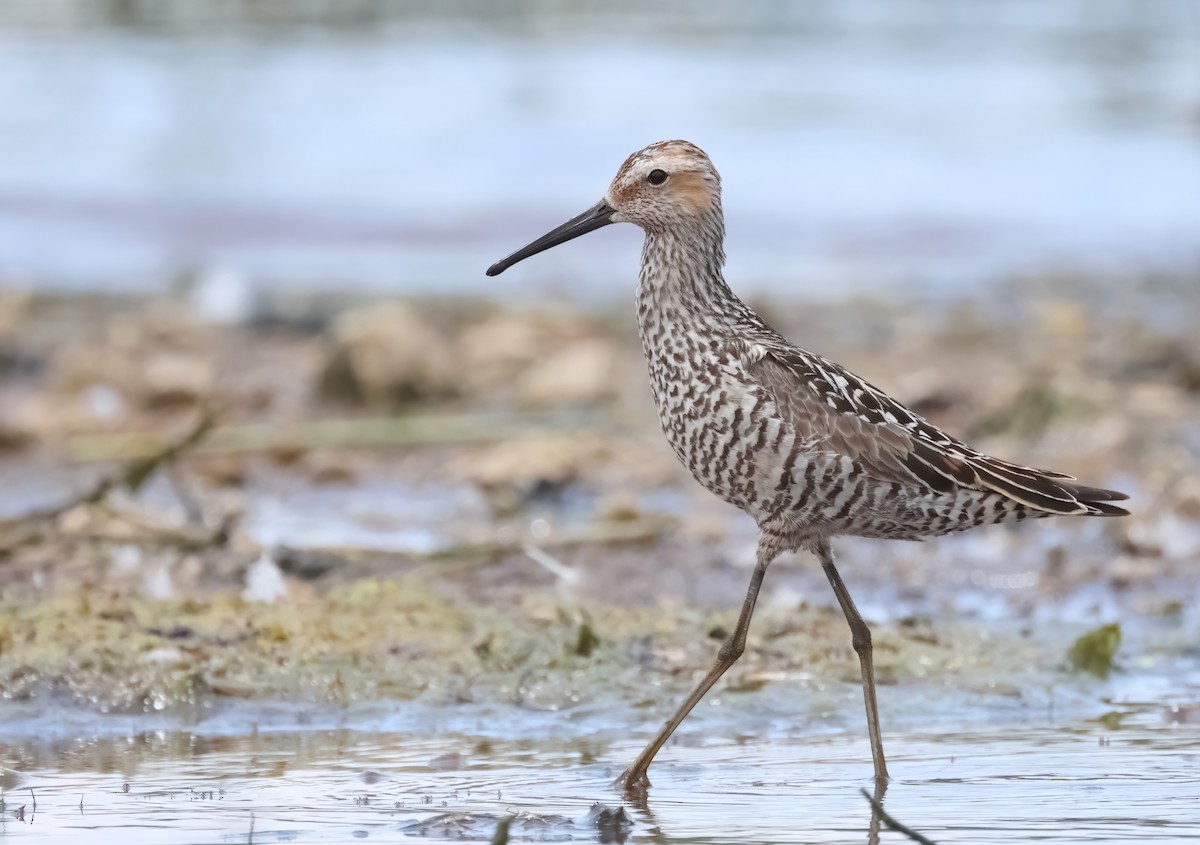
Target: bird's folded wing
839, 412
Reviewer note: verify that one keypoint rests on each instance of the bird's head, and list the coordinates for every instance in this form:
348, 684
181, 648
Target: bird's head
667, 185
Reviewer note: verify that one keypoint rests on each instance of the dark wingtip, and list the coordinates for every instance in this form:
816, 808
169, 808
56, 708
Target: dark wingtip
1047, 492
1088, 495
497, 268
1097, 498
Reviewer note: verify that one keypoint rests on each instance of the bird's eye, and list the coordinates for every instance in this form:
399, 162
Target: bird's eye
657, 177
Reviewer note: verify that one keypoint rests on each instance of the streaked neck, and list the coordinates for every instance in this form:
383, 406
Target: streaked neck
682, 268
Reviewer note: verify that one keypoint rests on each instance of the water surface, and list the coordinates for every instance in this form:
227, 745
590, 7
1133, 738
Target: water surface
1068, 782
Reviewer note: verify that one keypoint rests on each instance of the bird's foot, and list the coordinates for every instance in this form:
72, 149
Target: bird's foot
633, 782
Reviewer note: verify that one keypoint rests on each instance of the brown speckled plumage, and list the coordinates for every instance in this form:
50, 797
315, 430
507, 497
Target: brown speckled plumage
806, 448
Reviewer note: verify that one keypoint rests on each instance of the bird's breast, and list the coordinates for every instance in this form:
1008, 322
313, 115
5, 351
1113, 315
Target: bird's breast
722, 426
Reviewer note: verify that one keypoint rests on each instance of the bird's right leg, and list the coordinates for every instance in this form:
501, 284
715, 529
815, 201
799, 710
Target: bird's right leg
861, 640
634, 779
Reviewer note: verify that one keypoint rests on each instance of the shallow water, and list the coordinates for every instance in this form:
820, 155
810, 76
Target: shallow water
1058, 782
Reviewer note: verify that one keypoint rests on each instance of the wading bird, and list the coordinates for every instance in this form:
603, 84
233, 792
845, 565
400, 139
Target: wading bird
805, 447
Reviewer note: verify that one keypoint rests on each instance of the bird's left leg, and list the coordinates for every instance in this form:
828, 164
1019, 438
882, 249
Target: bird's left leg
861, 639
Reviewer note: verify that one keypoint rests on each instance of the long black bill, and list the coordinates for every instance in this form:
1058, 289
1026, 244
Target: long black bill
598, 215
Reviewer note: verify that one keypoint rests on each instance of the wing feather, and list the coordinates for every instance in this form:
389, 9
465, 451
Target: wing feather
835, 410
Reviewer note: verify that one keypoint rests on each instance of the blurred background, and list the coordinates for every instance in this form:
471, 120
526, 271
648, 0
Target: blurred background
403, 146
299, 506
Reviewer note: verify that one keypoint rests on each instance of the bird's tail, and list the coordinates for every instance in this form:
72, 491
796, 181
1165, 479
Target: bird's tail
1047, 491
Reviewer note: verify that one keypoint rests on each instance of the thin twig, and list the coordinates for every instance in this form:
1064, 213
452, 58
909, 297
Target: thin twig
132, 476
552, 565
31, 527
893, 824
